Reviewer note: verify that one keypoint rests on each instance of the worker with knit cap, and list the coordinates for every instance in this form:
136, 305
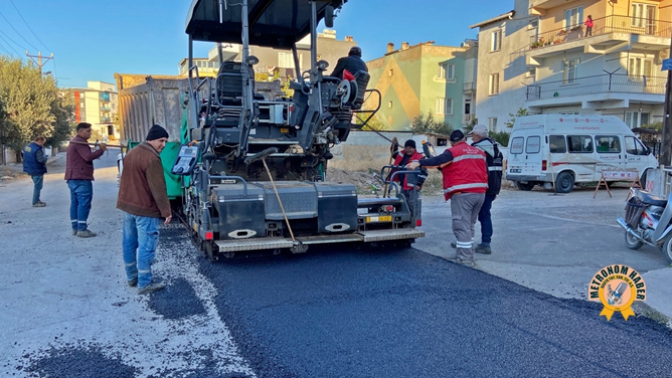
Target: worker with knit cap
144, 200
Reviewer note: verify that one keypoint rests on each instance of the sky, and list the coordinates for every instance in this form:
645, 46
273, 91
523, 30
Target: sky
93, 39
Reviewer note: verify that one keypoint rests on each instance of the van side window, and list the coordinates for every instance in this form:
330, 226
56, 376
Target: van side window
634, 146
533, 144
608, 143
558, 145
517, 145
580, 143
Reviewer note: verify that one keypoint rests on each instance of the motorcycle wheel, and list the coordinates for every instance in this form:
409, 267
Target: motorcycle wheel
667, 248
632, 242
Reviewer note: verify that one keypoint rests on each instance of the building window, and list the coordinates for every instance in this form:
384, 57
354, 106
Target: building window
494, 84
467, 106
390, 72
573, 18
638, 67
389, 105
492, 126
446, 71
496, 40
569, 71
644, 16
444, 106
637, 119
533, 24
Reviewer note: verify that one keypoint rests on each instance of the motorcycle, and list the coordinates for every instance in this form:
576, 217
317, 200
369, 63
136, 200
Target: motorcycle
648, 220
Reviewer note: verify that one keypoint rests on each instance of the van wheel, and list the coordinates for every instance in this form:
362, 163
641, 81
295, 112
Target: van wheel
564, 183
526, 187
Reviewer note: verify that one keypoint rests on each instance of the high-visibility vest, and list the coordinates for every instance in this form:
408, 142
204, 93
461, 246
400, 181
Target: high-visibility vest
467, 172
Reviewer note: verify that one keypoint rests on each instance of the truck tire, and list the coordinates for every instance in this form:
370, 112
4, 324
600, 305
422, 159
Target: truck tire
632, 242
564, 183
524, 186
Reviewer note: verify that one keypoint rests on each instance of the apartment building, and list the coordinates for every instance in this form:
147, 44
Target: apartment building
544, 58
97, 104
273, 61
425, 79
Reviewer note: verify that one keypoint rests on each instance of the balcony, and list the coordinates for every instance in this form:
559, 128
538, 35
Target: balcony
599, 91
608, 35
469, 87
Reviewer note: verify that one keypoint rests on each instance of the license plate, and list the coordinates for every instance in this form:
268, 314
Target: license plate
515, 170
383, 218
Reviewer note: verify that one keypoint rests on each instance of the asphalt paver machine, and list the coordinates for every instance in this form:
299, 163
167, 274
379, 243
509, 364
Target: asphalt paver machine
253, 167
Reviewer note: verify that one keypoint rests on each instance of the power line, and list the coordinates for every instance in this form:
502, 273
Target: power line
29, 28
17, 32
10, 46
8, 37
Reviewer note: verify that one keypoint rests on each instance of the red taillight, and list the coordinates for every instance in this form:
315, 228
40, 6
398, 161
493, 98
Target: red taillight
418, 223
389, 208
544, 165
209, 235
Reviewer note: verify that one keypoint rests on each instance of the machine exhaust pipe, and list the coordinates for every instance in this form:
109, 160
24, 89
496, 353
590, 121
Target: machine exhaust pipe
629, 230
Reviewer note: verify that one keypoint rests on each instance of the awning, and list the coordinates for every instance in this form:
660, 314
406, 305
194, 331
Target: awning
272, 23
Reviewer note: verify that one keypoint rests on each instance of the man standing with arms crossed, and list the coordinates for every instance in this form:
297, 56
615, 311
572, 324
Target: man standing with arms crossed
35, 164
79, 176
465, 180
144, 200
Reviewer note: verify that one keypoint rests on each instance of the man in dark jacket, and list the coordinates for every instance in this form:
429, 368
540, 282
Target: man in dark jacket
353, 63
144, 200
35, 164
79, 176
495, 160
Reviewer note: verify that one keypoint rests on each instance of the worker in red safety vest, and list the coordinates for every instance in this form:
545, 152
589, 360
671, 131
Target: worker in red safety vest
465, 180
408, 182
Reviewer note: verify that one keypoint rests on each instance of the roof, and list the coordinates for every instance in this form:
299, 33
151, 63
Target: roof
272, 23
504, 16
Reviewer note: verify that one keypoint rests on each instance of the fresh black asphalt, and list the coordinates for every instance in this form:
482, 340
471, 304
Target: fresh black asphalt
400, 313
408, 314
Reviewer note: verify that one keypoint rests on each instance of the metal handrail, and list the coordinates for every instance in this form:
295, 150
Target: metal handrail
601, 26
619, 83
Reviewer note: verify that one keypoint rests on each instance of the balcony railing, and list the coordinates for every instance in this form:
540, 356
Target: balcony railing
597, 84
604, 25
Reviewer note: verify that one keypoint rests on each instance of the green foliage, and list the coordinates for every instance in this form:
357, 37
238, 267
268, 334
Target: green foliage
375, 124
31, 106
421, 125
658, 126
501, 137
520, 113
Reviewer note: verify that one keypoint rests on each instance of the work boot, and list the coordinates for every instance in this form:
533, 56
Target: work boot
85, 234
39, 204
74, 232
484, 249
459, 261
152, 287
133, 282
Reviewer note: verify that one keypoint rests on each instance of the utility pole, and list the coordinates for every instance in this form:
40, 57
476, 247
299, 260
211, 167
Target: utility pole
666, 148
39, 59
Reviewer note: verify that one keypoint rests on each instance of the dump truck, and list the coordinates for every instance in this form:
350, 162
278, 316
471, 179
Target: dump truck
245, 165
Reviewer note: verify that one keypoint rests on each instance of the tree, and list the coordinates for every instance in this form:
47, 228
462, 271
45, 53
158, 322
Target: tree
31, 105
520, 113
421, 125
